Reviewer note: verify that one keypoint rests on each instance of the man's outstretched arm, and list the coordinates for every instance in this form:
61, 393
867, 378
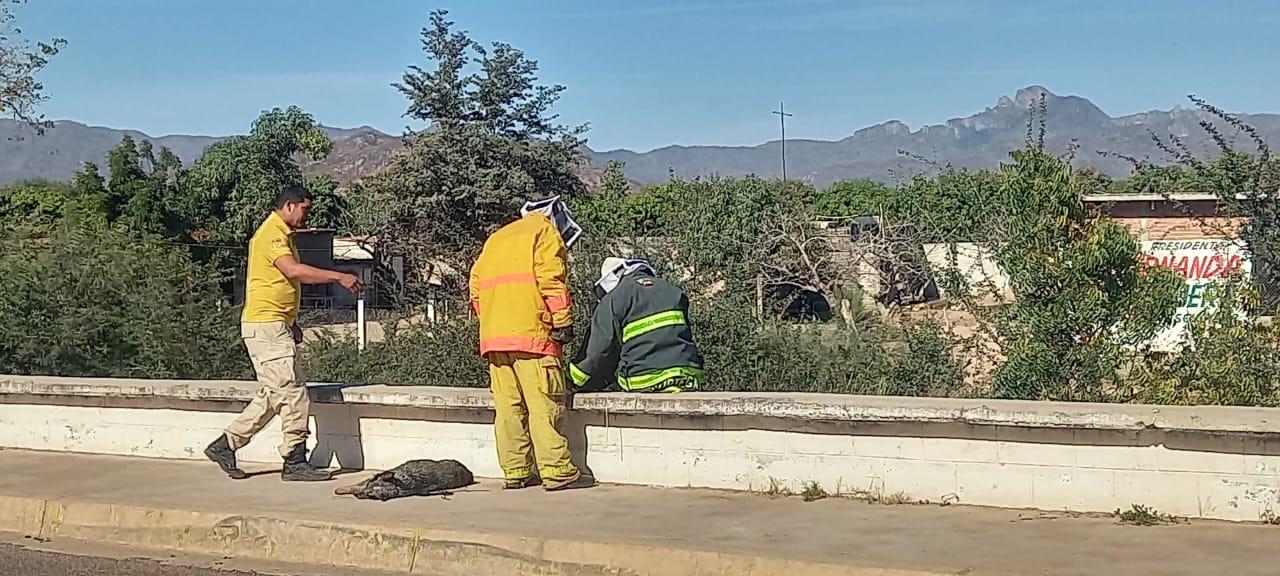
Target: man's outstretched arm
308, 274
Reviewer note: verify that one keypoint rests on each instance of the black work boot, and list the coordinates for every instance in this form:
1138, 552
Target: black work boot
221, 453
297, 469
575, 482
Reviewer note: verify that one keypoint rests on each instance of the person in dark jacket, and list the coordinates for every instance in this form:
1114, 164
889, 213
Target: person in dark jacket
640, 325
604, 377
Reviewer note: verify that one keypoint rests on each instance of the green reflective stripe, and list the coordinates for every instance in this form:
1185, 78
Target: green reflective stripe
577, 375
651, 323
646, 381
678, 385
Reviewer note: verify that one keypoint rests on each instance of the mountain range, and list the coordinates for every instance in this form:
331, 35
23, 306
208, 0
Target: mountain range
883, 152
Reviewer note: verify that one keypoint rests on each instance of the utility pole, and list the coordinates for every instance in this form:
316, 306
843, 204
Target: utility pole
782, 117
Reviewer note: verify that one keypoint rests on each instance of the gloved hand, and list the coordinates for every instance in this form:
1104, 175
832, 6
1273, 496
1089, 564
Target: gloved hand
562, 335
570, 390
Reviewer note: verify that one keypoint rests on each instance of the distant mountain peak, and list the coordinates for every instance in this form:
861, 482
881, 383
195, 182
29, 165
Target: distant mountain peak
1031, 95
336, 133
980, 140
890, 128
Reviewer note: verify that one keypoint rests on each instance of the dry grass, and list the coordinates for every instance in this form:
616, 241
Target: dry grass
1139, 515
776, 490
813, 491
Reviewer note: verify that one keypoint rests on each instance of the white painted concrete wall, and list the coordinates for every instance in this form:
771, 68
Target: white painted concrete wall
975, 264
1183, 461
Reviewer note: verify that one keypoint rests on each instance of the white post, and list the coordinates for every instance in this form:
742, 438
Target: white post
360, 335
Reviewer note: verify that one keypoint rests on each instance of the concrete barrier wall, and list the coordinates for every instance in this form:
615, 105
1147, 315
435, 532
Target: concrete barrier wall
1208, 462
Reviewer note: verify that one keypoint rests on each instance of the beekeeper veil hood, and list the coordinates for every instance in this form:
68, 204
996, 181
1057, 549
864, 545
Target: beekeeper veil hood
558, 212
614, 269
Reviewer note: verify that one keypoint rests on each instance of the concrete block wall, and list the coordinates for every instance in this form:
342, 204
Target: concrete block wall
1204, 462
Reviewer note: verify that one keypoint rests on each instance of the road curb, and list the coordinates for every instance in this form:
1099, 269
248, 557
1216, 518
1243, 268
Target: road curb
390, 548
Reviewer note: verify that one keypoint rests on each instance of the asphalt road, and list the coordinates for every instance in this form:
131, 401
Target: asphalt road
16, 561
21, 561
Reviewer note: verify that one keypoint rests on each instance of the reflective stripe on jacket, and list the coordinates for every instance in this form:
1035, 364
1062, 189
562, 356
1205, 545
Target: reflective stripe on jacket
644, 325
519, 288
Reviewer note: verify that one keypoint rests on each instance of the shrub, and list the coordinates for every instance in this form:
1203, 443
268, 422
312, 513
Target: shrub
1084, 300
89, 300
1231, 359
439, 354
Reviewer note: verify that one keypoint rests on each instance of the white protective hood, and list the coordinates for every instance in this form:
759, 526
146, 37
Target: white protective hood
613, 269
558, 212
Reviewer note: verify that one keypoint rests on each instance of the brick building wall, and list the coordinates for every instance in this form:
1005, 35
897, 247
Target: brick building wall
1182, 228
1155, 218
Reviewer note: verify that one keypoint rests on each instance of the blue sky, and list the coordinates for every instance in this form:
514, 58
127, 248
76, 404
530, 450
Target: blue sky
652, 73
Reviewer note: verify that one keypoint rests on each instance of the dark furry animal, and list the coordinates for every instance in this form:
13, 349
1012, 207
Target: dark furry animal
413, 478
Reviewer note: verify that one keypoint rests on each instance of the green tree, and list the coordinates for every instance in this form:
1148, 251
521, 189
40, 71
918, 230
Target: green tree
1164, 180
89, 194
613, 179
603, 208
493, 144
413, 355
329, 205
1084, 302
646, 211
1232, 356
1244, 183
952, 206
232, 186
37, 204
855, 198
1094, 182
140, 193
137, 194
126, 178
20, 63
720, 227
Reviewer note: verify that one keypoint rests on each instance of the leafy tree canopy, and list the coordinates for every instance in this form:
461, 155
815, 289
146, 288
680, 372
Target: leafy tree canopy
20, 62
233, 185
492, 144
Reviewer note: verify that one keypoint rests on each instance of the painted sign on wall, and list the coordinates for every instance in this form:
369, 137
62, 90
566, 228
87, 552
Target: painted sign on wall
1202, 263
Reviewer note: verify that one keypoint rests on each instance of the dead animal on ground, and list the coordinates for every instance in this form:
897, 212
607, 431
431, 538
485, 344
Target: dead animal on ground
413, 478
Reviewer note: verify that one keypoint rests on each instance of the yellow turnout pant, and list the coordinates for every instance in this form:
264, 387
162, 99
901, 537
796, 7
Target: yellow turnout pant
283, 391
528, 395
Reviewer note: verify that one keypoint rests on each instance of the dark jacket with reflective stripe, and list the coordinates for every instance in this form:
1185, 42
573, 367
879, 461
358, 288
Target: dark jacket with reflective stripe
642, 325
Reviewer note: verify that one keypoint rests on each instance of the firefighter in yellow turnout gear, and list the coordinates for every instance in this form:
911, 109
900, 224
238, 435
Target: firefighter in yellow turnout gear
519, 290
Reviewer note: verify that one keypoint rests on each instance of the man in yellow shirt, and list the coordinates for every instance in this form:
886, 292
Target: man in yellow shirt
270, 332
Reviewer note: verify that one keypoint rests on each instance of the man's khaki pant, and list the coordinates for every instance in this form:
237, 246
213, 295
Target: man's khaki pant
283, 390
528, 394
